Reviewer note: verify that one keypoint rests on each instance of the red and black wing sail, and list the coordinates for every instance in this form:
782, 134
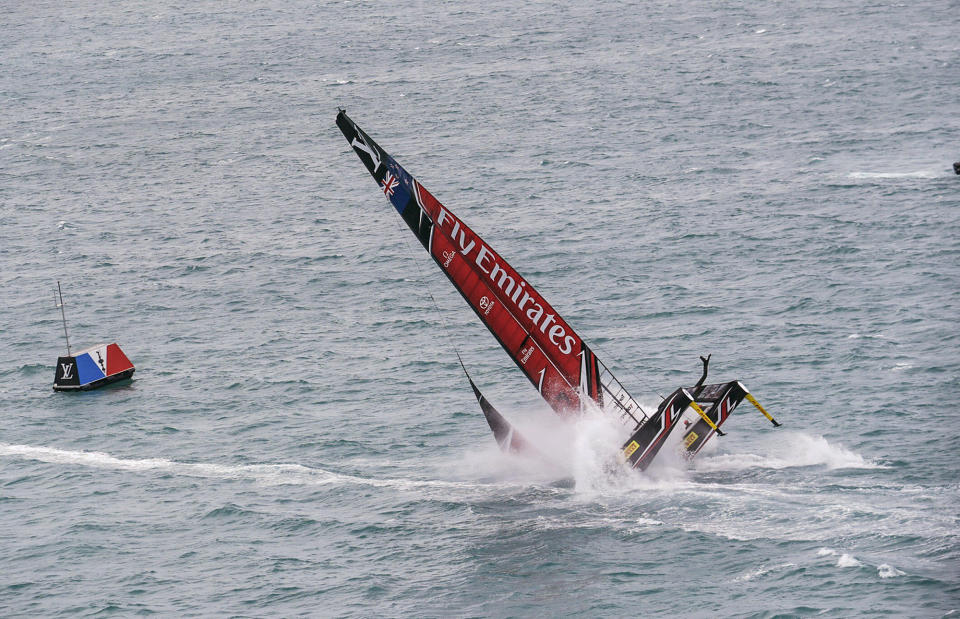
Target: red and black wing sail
548, 351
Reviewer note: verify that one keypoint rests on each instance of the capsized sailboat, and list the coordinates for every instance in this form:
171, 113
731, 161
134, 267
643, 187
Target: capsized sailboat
553, 357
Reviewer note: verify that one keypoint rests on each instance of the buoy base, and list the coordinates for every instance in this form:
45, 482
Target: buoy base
103, 382
92, 368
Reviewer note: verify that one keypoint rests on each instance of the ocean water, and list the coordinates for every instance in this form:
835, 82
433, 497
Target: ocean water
766, 182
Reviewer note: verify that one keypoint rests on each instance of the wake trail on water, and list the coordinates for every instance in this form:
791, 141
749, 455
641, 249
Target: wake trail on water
574, 455
267, 474
895, 175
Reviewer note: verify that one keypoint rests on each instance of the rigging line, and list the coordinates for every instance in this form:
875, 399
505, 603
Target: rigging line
421, 280
619, 363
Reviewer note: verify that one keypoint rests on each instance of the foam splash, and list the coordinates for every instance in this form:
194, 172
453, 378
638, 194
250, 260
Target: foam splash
787, 450
594, 466
584, 450
885, 570
751, 574
583, 454
579, 449
523, 468
762, 571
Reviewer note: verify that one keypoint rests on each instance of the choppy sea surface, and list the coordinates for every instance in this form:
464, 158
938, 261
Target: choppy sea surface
766, 182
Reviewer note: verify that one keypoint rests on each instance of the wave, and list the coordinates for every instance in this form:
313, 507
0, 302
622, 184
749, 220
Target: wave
884, 570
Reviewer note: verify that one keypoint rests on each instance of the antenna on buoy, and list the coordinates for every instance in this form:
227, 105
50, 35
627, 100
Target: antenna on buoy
62, 315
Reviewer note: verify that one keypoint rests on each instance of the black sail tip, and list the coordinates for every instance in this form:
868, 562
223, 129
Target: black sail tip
345, 124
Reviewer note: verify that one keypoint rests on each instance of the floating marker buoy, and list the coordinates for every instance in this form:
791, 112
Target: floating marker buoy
91, 368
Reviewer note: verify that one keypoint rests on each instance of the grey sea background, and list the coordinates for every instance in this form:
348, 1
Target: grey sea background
767, 182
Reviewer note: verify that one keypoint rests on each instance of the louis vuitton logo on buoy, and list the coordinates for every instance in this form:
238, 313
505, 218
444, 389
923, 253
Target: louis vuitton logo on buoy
67, 371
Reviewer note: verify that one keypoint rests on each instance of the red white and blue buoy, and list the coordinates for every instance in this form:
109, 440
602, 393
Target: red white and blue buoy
91, 368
